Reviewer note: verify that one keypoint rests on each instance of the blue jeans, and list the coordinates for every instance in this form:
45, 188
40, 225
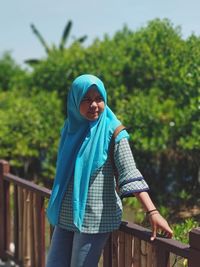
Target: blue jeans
72, 249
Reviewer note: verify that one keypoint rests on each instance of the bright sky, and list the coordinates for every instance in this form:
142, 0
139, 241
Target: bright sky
91, 17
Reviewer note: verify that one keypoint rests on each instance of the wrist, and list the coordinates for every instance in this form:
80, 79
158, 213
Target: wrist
152, 212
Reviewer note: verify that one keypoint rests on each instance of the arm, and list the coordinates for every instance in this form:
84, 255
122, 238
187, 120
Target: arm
131, 182
156, 220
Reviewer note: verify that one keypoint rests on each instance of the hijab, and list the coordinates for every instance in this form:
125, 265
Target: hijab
83, 149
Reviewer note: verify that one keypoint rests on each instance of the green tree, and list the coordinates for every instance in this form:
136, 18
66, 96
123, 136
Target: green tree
51, 49
152, 79
11, 74
29, 132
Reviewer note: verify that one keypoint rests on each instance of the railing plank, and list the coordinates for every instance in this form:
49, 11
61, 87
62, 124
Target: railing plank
33, 253
35, 229
121, 250
115, 253
21, 215
136, 254
143, 253
128, 250
149, 255
16, 222
162, 256
7, 217
25, 228
42, 231
4, 168
107, 253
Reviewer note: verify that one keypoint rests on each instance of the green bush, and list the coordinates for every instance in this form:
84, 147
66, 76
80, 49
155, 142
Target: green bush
181, 231
11, 74
29, 132
152, 79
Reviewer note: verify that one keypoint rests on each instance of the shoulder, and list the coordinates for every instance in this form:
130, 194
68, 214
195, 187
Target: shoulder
123, 134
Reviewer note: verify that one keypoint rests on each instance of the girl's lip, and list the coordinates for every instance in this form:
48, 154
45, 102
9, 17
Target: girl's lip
91, 112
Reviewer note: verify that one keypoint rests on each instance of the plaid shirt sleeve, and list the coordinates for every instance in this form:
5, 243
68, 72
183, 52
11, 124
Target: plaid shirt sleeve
130, 179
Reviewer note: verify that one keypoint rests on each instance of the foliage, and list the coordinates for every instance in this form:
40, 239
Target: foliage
150, 120
152, 79
29, 132
10, 73
181, 231
133, 210
57, 71
49, 50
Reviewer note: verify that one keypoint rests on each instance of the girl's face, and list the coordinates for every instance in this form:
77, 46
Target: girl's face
92, 105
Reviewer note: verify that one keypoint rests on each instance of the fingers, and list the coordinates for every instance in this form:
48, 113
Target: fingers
158, 223
167, 231
153, 233
169, 234
163, 233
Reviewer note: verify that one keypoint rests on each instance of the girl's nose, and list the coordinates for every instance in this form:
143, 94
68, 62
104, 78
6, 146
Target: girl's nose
93, 104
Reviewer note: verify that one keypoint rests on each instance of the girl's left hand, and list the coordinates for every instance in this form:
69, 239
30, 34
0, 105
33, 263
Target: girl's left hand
158, 223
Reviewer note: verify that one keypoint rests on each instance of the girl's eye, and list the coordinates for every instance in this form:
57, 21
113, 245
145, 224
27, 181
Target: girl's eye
86, 100
89, 100
99, 99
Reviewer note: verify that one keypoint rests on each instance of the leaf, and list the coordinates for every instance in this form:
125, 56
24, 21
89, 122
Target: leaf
81, 39
32, 62
65, 35
41, 39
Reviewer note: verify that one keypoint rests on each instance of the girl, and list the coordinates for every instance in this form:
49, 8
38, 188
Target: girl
85, 206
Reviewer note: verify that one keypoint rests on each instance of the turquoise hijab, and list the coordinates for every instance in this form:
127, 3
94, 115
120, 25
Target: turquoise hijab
83, 149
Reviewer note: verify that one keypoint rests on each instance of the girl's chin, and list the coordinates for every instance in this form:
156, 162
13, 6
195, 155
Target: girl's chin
92, 117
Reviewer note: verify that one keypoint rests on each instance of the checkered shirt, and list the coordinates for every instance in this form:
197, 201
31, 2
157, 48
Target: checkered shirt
104, 207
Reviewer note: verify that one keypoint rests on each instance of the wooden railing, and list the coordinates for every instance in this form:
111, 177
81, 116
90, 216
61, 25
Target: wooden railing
25, 233
22, 219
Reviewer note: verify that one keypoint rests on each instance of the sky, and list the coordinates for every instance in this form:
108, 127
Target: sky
90, 17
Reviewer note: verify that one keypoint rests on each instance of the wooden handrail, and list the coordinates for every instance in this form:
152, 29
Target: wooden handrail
127, 247
142, 233
40, 190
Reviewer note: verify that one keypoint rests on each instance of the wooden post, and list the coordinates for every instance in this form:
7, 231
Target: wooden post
7, 215
162, 257
149, 254
32, 236
128, 250
16, 222
115, 249
121, 249
107, 253
41, 231
194, 241
24, 230
20, 197
143, 253
137, 252
4, 168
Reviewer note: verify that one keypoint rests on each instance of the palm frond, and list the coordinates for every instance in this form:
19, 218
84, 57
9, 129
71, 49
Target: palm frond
81, 39
41, 39
65, 35
32, 62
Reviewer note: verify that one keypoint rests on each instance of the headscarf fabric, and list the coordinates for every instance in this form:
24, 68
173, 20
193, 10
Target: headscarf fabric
83, 149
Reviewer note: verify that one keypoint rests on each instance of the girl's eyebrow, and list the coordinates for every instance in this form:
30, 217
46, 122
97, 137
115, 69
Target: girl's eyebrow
86, 97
